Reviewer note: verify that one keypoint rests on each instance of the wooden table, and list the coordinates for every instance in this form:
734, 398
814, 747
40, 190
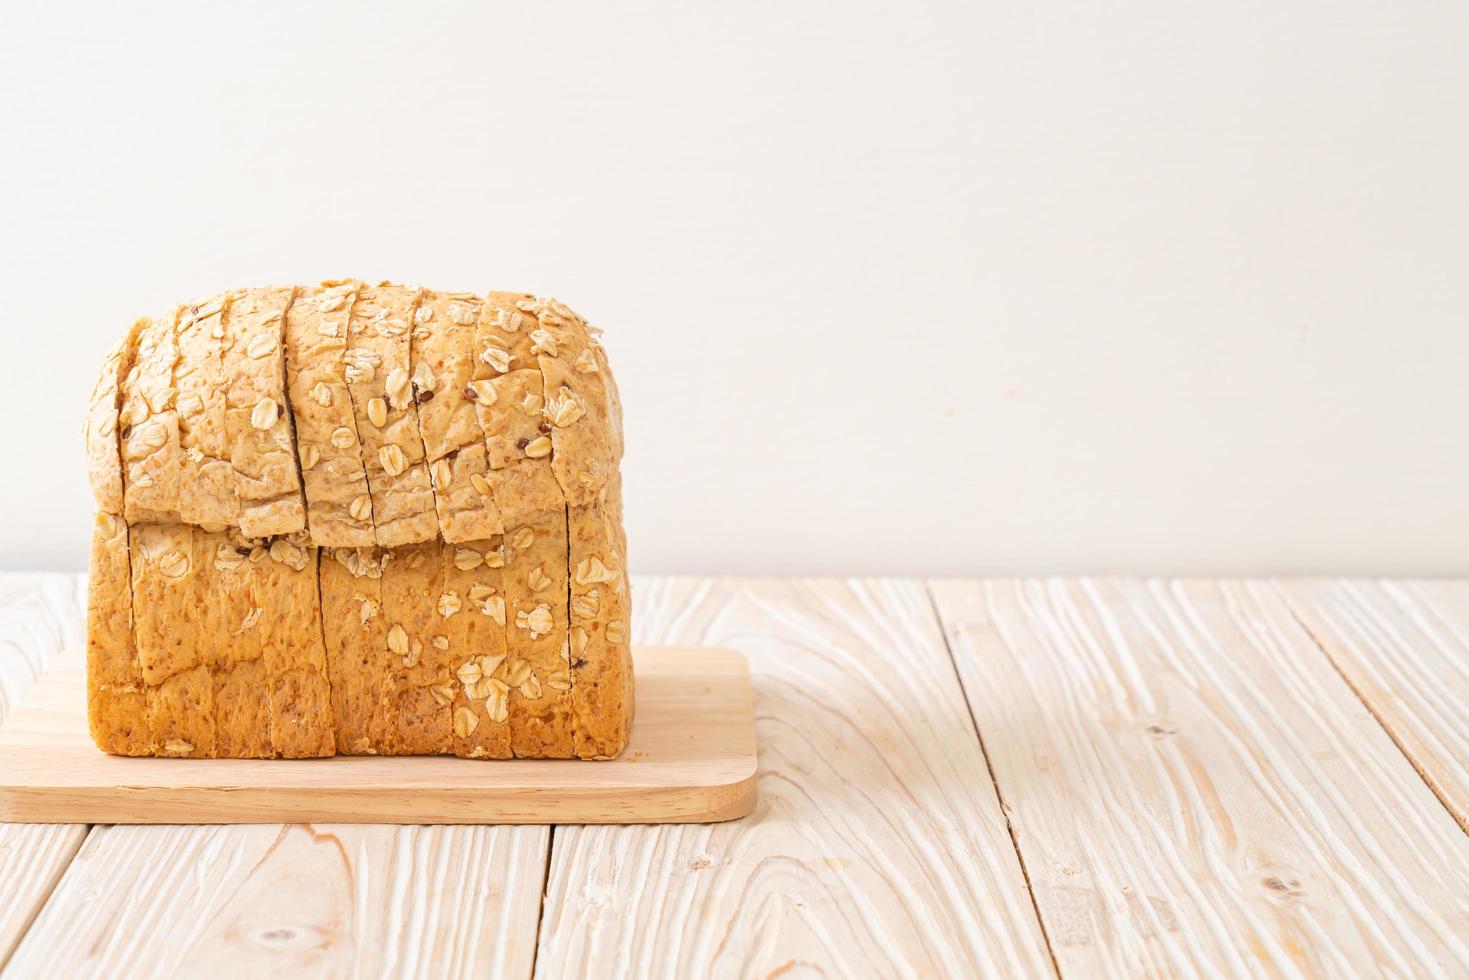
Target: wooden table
958, 778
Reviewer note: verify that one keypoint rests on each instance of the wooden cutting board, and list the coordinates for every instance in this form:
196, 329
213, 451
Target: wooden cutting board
691, 759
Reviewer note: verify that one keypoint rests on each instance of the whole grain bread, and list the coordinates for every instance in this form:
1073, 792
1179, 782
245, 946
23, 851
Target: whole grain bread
361, 520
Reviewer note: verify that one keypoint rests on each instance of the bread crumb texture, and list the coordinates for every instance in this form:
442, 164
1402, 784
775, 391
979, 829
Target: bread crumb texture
362, 520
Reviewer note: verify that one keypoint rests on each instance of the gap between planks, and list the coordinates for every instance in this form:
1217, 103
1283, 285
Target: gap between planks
44, 852
541, 905
990, 768
1358, 640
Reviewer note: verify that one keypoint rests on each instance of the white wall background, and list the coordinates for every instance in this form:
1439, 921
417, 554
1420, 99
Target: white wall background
921, 287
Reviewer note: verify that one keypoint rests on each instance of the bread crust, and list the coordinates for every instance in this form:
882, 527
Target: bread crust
474, 631
179, 689
532, 509
302, 722
104, 458
117, 708
207, 494
387, 420
338, 503
355, 632
443, 339
230, 619
258, 416
150, 427
412, 586
601, 656
587, 448
583, 412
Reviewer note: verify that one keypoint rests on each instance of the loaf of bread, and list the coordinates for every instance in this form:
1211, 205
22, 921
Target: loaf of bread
357, 519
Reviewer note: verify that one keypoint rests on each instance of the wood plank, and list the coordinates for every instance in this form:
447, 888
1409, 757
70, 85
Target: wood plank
1404, 648
1194, 789
878, 846
349, 900
32, 859
40, 614
691, 757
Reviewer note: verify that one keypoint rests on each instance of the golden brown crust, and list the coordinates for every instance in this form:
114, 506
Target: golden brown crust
576, 401
584, 419
207, 492
104, 458
378, 377
355, 630
601, 658
258, 418
474, 633
302, 723
338, 504
230, 617
532, 509
412, 587
117, 707
443, 373
225, 592
179, 690
536, 620
150, 427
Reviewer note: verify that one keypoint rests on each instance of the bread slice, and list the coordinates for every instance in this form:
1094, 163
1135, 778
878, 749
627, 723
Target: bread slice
116, 695
301, 723
473, 619
377, 372
601, 660
532, 509
584, 418
207, 494
150, 428
258, 416
117, 707
104, 458
338, 504
178, 686
442, 352
361, 682
412, 589
620, 641
230, 619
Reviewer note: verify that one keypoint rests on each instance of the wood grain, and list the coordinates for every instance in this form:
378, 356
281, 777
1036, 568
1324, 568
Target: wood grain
40, 614
691, 758
1195, 790
1404, 648
877, 848
327, 901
